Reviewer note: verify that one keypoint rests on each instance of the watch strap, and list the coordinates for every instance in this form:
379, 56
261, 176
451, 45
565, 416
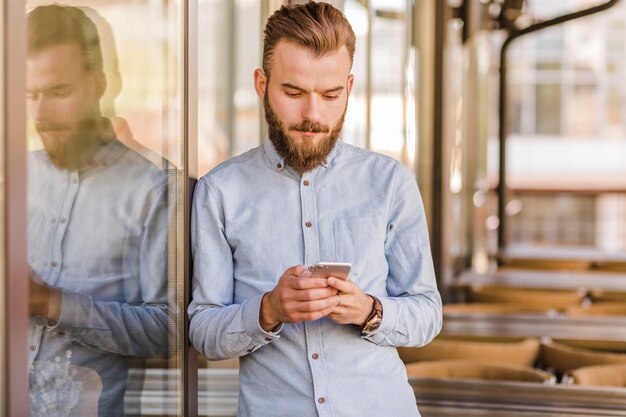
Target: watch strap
373, 320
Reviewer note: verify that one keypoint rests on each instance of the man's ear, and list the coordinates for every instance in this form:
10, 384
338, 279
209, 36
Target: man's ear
260, 83
350, 83
100, 83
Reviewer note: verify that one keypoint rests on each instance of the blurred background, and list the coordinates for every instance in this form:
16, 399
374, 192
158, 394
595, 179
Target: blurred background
510, 113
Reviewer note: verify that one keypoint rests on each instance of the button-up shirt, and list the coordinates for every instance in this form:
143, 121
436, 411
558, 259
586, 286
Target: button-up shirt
253, 217
100, 235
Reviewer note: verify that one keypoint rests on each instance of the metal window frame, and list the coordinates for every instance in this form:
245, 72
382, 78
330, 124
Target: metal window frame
15, 325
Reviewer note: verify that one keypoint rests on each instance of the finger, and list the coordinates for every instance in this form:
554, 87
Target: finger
341, 284
305, 283
316, 305
295, 270
314, 294
322, 313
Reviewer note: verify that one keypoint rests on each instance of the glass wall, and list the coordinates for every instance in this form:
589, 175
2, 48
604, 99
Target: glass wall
106, 176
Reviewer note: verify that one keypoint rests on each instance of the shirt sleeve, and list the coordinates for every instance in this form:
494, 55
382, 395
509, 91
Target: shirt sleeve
412, 312
219, 328
139, 326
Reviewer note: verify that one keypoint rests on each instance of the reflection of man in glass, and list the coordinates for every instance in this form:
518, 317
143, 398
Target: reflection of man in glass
97, 228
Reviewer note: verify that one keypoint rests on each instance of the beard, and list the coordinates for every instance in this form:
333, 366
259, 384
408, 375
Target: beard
75, 149
305, 156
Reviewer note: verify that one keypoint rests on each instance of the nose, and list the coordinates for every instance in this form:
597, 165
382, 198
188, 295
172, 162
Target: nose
311, 108
39, 108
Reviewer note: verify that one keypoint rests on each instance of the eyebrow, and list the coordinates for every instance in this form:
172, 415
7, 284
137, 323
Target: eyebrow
295, 87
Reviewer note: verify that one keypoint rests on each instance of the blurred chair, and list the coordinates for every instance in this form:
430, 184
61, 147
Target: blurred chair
563, 358
478, 370
525, 263
548, 298
599, 376
523, 353
495, 308
601, 309
599, 296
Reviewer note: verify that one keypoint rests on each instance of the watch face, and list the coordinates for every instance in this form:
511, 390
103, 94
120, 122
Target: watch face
372, 325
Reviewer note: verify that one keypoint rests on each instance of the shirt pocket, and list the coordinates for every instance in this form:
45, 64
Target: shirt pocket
361, 242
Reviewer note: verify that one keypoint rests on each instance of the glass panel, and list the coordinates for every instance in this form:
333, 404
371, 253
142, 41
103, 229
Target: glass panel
228, 54
105, 234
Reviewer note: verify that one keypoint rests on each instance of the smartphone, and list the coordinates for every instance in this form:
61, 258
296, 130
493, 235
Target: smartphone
331, 269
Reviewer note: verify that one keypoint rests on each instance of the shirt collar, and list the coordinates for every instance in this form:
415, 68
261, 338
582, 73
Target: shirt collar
108, 154
112, 148
279, 163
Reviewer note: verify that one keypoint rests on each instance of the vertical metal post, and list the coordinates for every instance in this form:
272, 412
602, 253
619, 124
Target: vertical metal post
429, 20
15, 304
371, 14
406, 51
231, 74
190, 172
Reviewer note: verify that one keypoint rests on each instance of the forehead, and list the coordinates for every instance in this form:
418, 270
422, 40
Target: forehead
56, 60
297, 65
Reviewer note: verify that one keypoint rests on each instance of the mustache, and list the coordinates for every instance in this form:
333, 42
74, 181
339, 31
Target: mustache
46, 126
309, 126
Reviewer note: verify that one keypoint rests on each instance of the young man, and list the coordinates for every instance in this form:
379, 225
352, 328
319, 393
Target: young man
97, 230
311, 346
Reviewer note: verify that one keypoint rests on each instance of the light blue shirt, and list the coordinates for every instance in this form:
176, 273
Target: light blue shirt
100, 235
249, 224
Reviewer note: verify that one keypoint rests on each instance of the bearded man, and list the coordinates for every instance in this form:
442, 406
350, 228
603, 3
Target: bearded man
311, 345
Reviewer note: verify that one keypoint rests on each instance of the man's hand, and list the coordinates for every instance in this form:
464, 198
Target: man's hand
355, 306
45, 301
297, 297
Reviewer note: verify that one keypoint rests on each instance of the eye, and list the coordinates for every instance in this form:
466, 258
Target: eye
60, 93
31, 96
293, 95
331, 97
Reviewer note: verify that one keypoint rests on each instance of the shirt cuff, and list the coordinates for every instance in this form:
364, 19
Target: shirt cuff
388, 323
75, 311
251, 310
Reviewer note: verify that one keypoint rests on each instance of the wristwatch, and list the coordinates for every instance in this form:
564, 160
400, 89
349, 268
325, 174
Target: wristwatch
373, 321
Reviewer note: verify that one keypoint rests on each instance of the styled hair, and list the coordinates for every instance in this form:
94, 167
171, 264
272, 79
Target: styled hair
55, 24
319, 27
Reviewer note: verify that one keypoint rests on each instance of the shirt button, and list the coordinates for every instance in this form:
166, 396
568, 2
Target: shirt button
33, 348
306, 183
54, 264
315, 356
279, 166
62, 221
321, 400
308, 224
